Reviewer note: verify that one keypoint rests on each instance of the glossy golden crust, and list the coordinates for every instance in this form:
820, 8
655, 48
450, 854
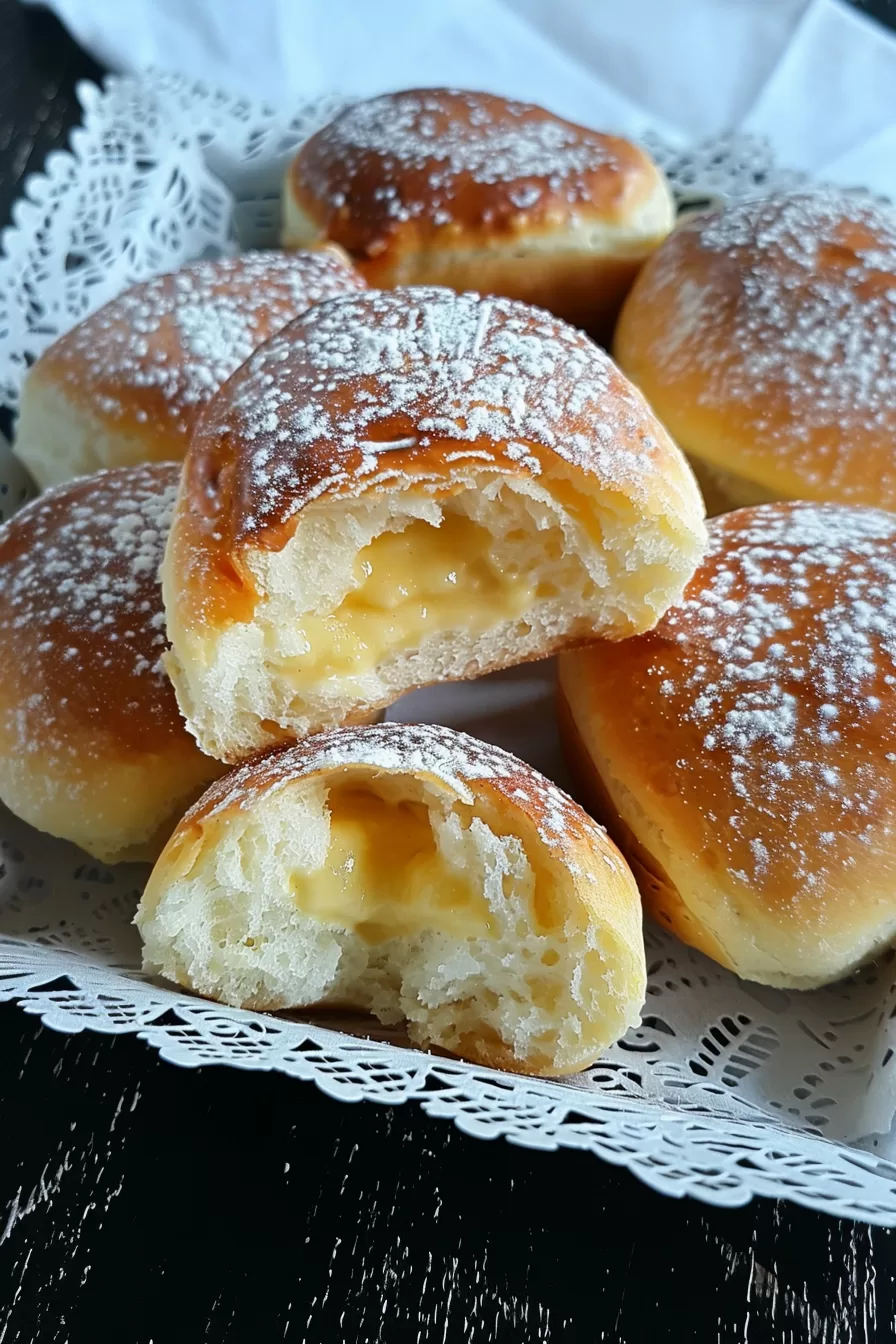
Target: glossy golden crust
143, 366
764, 337
661, 898
81, 621
438, 186
381, 390
400, 171
750, 772
92, 744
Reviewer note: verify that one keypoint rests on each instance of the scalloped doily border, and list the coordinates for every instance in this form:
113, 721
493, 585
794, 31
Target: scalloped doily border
722, 1160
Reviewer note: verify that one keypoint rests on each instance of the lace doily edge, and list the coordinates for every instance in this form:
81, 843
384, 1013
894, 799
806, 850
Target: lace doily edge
731, 1178
484, 1104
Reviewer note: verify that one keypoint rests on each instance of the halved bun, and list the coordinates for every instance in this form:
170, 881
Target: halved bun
412, 487
414, 873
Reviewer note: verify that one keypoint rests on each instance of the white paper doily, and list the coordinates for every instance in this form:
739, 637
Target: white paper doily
726, 1090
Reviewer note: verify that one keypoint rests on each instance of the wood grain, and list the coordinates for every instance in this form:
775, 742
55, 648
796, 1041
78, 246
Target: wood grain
141, 1202
221, 1205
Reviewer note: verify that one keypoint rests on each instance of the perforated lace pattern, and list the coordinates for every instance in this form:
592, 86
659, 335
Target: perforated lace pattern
726, 1090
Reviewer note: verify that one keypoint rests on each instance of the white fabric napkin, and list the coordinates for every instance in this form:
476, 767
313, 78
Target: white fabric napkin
814, 76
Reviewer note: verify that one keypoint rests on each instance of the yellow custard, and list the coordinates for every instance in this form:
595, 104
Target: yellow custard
383, 876
409, 585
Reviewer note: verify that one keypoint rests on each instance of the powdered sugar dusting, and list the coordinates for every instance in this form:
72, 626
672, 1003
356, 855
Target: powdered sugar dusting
166, 345
81, 605
796, 320
455, 759
786, 663
325, 403
426, 143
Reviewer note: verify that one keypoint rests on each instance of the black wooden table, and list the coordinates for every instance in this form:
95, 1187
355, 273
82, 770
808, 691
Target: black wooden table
141, 1202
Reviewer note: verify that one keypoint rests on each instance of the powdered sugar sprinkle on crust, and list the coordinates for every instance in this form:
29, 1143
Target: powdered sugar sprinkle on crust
81, 602
178, 337
455, 759
426, 140
812, 320
325, 403
787, 649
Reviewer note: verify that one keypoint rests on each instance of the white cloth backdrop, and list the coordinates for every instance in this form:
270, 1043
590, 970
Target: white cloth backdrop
814, 76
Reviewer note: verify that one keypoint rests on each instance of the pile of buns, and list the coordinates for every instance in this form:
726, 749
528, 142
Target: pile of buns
393, 454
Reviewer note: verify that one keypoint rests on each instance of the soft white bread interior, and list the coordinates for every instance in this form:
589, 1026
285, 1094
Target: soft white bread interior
320, 565
374, 596
413, 873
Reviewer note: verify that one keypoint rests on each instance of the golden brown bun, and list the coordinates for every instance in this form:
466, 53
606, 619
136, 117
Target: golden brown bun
743, 751
468, 481
764, 337
412, 872
92, 746
437, 186
127, 384
723, 491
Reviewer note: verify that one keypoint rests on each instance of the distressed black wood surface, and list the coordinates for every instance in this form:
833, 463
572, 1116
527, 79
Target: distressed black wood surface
141, 1202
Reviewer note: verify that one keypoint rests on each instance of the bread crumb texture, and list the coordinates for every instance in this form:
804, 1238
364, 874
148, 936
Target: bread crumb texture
415, 873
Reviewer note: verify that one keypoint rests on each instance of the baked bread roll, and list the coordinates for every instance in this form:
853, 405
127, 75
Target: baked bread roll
92, 746
764, 337
743, 752
437, 186
414, 873
409, 487
127, 384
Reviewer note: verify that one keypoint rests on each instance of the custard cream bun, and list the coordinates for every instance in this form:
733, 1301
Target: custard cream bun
763, 334
439, 186
751, 776
409, 487
127, 384
92, 745
412, 872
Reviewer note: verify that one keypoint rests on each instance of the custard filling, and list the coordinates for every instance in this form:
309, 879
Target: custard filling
383, 876
407, 585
